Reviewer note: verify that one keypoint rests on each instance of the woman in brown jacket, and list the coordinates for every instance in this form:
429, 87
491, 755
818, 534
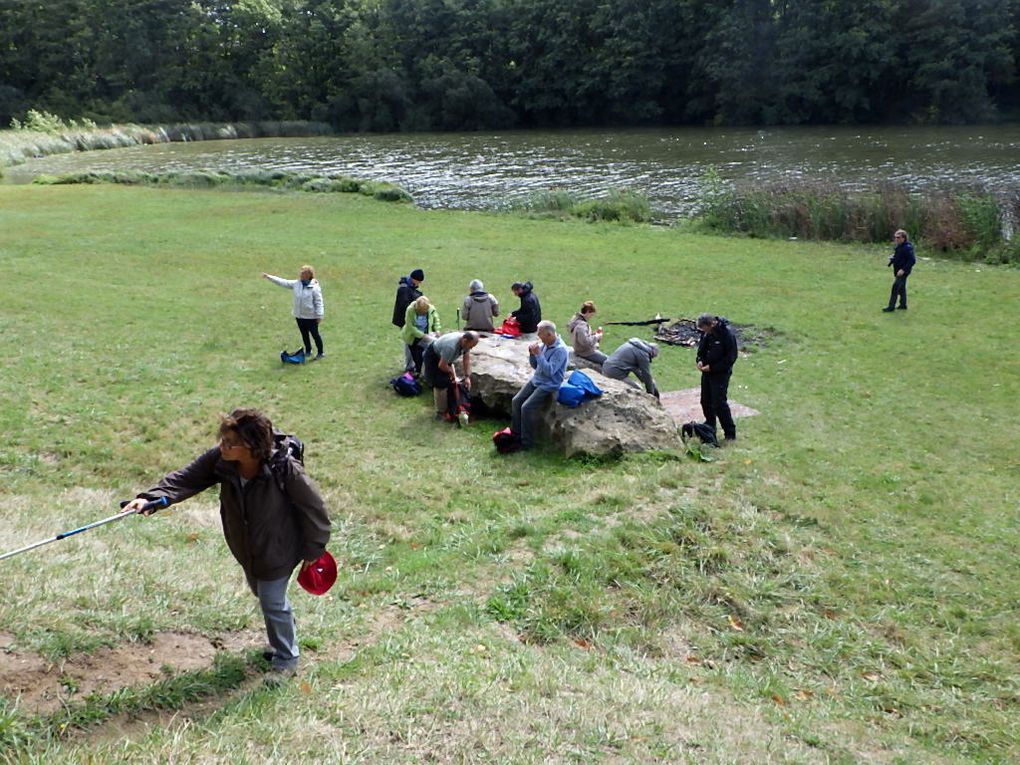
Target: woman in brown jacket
273, 516
583, 338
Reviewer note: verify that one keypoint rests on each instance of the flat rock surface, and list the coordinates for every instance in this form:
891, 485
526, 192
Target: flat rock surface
685, 405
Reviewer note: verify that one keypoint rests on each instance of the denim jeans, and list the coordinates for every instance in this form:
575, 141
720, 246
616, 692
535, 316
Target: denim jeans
899, 289
279, 618
527, 405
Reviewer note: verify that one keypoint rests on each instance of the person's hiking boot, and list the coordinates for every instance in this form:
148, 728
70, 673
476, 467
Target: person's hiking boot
901, 308
888, 309
319, 356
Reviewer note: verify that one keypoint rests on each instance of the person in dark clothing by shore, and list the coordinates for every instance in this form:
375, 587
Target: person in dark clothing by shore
901, 261
717, 352
273, 516
407, 293
530, 312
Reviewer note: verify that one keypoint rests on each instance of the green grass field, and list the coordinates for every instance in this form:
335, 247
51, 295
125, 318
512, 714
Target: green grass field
840, 586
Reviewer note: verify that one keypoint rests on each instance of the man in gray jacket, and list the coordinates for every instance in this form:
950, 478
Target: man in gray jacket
479, 308
635, 356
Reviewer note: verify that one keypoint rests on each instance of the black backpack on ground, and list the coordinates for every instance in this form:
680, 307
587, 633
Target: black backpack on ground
699, 430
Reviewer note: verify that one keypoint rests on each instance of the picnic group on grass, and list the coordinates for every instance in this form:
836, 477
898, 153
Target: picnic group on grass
273, 515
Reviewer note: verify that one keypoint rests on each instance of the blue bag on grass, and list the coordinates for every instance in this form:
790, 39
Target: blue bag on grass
406, 385
297, 357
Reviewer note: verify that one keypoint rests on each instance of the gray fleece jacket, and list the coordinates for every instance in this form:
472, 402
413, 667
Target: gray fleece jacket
635, 356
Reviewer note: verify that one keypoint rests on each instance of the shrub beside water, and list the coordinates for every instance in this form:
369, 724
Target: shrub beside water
619, 206
271, 179
968, 224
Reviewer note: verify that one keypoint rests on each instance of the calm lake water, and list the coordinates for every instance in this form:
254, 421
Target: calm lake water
484, 170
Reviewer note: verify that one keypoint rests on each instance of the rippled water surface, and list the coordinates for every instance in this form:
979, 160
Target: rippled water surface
476, 170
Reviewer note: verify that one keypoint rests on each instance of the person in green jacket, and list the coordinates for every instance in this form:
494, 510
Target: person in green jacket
421, 327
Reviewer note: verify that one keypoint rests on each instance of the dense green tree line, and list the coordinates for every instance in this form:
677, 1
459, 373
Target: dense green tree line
470, 64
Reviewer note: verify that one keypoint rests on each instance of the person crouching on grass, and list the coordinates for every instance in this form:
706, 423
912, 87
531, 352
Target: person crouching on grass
273, 517
308, 306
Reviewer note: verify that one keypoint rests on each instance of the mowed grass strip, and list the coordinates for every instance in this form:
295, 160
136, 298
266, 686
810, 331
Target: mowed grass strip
845, 575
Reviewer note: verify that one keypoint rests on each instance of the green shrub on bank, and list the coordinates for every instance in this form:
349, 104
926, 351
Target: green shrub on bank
965, 224
273, 179
45, 122
619, 206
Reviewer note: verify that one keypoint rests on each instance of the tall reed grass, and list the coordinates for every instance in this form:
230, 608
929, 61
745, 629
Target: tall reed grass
17, 146
272, 179
972, 224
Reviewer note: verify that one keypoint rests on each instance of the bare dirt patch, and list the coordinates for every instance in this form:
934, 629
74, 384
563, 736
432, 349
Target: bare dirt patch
685, 332
41, 687
685, 405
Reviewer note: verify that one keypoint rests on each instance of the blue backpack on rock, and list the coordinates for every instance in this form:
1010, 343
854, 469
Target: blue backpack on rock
577, 389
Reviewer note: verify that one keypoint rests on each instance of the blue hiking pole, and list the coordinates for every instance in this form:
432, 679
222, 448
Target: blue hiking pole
155, 504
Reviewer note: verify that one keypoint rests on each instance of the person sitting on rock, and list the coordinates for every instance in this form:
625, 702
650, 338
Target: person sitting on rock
583, 338
548, 358
479, 308
421, 327
530, 313
635, 356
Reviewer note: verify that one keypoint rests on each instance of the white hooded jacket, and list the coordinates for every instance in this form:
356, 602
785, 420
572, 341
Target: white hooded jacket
307, 300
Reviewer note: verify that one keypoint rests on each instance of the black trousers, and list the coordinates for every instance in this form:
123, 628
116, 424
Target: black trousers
310, 329
437, 378
714, 388
899, 288
417, 352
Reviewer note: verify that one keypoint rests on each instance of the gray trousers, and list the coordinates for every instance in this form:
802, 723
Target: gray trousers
527, 404
279, 617
595, 357
623, 375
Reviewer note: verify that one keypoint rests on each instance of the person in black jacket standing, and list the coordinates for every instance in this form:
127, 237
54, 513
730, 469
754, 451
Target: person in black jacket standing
530, 312
901, 261
407, 293
717, 352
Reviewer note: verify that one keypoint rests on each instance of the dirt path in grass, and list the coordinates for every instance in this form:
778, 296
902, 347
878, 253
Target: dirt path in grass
39, 686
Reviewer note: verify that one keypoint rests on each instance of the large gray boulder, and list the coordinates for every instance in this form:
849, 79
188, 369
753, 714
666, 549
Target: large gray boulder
622, 420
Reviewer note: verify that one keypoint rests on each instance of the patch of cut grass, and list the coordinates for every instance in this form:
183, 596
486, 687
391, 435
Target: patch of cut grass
842, 579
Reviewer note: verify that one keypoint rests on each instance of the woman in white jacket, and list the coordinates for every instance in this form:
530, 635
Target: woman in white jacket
308, 306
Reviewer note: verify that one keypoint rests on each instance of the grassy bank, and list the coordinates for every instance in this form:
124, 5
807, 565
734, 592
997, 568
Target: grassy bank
968, 224
17, 146
278, 180
839, 586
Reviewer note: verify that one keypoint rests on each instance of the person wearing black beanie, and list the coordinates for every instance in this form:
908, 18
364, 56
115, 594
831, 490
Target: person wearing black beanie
407, 293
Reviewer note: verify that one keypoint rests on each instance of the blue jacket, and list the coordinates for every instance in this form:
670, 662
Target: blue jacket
550, 366
903, 257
